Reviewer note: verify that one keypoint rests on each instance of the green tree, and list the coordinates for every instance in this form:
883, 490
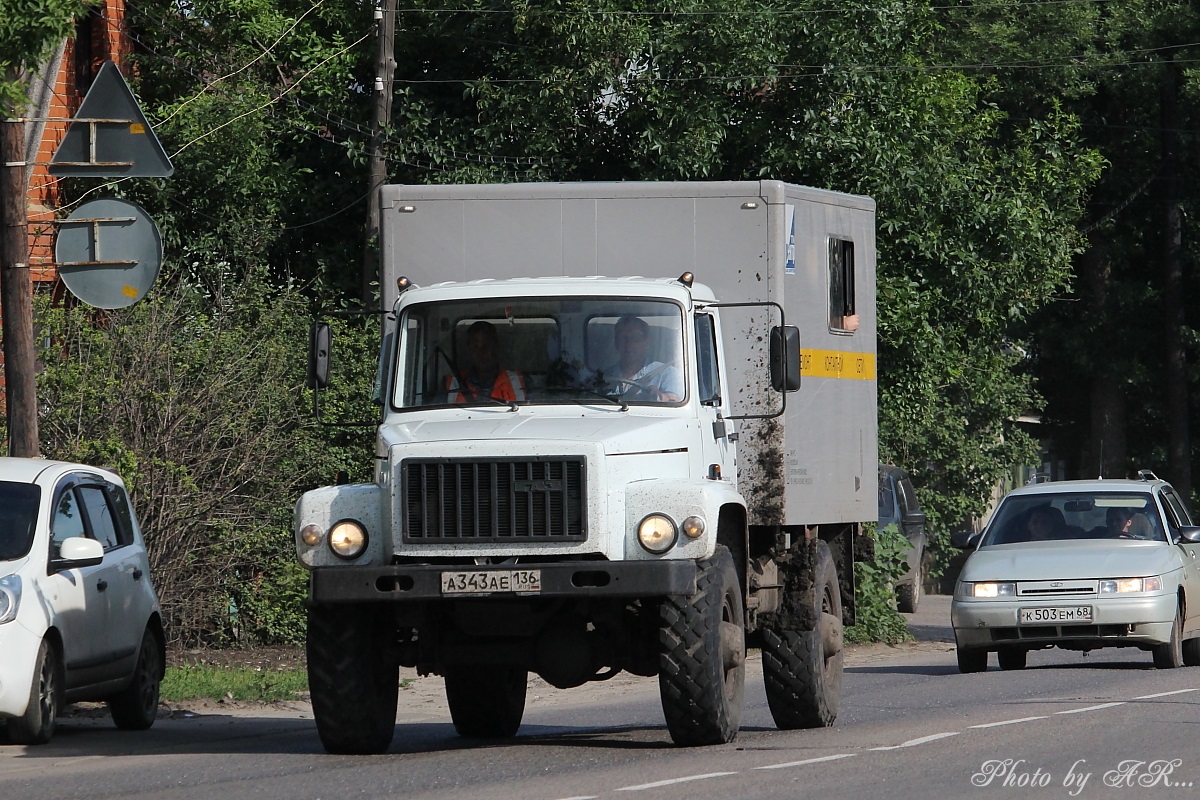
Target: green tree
29, 30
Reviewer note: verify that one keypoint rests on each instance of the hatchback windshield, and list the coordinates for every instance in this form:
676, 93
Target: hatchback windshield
18, 517
1076, 515
540, 350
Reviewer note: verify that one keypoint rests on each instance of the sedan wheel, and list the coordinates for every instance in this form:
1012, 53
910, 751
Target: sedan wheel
1012, 657
972, 660
1170, 655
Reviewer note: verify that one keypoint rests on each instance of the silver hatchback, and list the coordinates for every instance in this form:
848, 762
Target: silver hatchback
1081, 565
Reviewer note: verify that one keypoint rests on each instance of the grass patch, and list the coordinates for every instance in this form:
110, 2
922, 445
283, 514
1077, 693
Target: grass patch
200, 681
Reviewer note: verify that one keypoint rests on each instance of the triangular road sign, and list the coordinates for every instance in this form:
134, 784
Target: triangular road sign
109, 136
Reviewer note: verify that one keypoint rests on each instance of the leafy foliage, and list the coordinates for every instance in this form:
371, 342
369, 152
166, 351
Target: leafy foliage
876, 617
29, 30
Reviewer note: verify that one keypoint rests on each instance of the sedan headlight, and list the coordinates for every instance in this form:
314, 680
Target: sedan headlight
985, 590
10, 597
1122, 585
657, 533
347, 539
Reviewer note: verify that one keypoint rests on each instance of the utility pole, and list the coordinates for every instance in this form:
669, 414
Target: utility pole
16, 295
385, 66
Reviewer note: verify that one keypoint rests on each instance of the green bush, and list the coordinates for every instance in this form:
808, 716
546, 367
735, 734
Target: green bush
875, 593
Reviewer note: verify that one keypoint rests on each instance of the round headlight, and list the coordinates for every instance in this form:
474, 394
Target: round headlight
657, 533
693, 527
347, 539
312, 535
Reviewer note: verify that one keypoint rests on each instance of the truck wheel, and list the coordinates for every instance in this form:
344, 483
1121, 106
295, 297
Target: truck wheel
802, 670
908, 596
486, 702
36, 725
702, 656
352, 680
136, 708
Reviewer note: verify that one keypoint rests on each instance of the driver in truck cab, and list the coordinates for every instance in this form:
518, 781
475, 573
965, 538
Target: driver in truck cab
484, 377
635, 373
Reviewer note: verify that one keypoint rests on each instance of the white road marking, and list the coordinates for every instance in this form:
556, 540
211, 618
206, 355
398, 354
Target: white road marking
1090, 708
933, 737
673, 781
808, 761
1163, 694
1007, 722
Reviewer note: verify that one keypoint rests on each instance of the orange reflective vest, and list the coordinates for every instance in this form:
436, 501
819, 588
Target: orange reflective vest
509, 385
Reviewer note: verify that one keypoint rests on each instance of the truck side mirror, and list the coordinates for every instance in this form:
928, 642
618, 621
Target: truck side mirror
319, 341
785, 358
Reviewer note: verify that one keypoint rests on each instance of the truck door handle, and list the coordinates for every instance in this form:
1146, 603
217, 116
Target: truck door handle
137, 574
102, 585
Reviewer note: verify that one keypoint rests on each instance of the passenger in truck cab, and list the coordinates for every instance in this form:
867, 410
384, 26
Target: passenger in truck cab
636, 375
484, 376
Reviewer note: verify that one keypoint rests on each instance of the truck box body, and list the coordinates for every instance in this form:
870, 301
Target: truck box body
809, 250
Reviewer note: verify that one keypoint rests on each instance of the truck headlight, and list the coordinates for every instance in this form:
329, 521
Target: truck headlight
347, 539
657, 533
987, 590
10, 597
1122, 585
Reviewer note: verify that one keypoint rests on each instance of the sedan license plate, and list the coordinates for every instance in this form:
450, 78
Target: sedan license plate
1054, 615
519, 581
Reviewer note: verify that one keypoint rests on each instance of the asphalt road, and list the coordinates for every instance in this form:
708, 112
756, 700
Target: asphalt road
1104, 725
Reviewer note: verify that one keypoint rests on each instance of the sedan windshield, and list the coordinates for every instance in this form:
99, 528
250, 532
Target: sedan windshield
1075, 516
515, 350
18, 518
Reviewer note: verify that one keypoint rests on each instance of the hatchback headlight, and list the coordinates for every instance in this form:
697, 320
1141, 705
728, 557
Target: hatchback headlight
10, 597
347, 539
657, 533
1122, 585
986, 590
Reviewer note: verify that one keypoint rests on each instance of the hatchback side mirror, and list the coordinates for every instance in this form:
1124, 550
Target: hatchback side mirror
78, 552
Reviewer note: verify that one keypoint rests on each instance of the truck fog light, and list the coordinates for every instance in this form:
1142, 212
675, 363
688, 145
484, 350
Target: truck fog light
657, 533
312, 535
347, 539
693, 527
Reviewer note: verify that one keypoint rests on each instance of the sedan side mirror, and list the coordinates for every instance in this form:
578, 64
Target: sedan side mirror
1190, 534
964, 540
78, 552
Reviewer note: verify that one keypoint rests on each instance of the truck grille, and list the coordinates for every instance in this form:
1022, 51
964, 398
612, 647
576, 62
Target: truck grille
493, 500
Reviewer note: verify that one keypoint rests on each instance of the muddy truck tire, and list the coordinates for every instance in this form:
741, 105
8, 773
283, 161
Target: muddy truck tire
353, 680
802, 670
486, 702
702, 656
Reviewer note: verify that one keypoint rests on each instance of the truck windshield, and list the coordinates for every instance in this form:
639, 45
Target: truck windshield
540, 350
18, 518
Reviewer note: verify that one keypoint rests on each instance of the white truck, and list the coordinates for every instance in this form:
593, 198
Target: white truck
582, 519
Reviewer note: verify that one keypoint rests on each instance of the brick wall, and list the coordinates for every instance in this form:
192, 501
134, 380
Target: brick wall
98, 38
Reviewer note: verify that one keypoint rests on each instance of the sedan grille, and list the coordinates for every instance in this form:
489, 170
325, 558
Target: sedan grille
493, 500
1067, 587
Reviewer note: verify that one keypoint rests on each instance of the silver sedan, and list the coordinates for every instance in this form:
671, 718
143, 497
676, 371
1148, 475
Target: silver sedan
1081, 565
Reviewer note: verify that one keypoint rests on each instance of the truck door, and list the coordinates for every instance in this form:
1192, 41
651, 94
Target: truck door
717, 433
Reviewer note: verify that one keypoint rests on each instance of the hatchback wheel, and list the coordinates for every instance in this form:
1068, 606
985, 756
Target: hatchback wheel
36, 725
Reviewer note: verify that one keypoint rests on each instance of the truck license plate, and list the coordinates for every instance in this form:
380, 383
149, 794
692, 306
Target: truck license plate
1049, 616
492, 581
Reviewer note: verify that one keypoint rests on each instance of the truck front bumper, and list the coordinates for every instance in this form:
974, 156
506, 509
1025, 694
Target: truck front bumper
404, 583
